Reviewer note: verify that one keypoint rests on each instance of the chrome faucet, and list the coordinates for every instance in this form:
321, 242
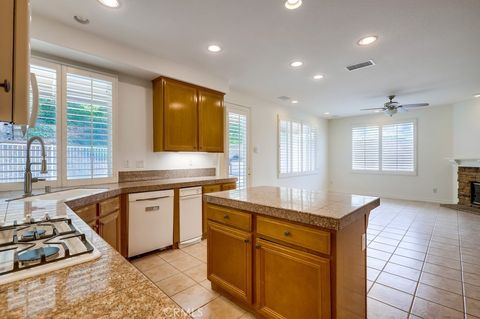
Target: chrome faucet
28, 180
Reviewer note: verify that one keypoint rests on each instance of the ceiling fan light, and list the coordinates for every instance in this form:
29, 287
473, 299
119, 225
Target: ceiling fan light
390, 112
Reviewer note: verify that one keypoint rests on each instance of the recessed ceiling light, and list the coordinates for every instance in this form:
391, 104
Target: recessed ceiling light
318, 76
294, 101
377, 111
214, 48
296, 64
110, 3
367, 40
81, 20
476, 95
293, 4
326, 113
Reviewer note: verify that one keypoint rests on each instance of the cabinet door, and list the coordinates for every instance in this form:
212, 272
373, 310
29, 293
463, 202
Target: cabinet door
6, 58
211, 121
230, 260
291, 284
180, 117
205, 190
109, 229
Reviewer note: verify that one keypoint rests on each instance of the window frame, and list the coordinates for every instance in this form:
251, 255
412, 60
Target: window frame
316, 169
61, 129
380, 170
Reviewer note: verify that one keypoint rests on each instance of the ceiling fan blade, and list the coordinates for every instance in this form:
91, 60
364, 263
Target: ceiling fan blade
402, 109
375, 108
414, 105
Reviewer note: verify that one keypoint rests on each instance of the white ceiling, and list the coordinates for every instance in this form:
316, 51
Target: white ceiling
428, 50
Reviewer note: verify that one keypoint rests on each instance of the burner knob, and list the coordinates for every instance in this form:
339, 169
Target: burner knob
46, 217
28, 218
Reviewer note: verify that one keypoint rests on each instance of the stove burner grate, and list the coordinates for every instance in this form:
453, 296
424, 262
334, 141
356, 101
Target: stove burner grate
33, 234
36, 255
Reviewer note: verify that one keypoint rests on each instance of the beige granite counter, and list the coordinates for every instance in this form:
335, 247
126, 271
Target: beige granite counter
108, 287
323, 209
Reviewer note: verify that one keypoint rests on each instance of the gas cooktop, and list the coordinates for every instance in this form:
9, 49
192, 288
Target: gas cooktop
35, 247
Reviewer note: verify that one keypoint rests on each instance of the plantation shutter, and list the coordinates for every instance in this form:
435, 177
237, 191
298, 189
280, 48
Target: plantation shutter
238, 147
398, 147
89, 101
365, 148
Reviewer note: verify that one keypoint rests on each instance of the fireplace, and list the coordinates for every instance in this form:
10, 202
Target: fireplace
476, 194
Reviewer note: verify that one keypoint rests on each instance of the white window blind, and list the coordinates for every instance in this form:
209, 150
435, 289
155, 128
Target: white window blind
398, 147
366, 148
13, 146
297, 152
89, 101
238, 146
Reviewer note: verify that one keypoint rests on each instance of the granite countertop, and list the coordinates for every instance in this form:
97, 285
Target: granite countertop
108, 287
323, 209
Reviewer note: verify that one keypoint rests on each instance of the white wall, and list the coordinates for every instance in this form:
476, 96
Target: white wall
135, 133
263, 117
435, 144
466, 129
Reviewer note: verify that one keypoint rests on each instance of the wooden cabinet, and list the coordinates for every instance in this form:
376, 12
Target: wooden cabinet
230, 260
211, 121
290, 283
186, 117
109, 229
211, 189
105, 218
14, 60
229, 186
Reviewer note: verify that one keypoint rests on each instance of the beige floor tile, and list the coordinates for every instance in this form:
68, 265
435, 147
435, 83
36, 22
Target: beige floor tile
472, 291
391, 296
427, 309
410, 253
185, 262
175, 284
414, 247
402, 271
397, 282
386, 240
471, 268
473, 307
247, 315
441, 282
382, 247
376, 263
379, 310
193, 298
208, 285
161, 272
472, 279
440, 296
443, 261
220, 308
147, 262
172, 254
471, 259
442, 271
372, 274
407, 262
197, 273
378, 254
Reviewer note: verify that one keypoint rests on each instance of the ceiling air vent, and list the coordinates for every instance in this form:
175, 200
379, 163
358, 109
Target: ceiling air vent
360, 65
283, 98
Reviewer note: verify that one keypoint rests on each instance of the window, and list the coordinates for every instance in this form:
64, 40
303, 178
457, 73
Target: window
398, 147
386, 148
237, 137
75, 120
366, 148
297, 152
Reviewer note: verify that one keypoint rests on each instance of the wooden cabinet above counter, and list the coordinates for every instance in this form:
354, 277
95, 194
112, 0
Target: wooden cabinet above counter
186, 117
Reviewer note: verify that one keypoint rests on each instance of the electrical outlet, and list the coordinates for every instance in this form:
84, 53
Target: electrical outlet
139, 164
435, 190
126, 164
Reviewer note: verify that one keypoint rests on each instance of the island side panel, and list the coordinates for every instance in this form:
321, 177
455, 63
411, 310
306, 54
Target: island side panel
351, 269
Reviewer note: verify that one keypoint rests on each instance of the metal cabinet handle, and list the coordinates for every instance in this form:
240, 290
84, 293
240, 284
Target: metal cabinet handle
258, 246
246, 241
226, 217
152, 208
5, 85
287, 233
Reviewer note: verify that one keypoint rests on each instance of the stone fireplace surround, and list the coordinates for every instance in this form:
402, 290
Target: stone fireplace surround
466, 175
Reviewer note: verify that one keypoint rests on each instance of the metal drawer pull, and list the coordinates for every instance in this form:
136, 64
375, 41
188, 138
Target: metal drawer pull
287, 233
246, 241
226, 217
147, 199
152, 208
5, 85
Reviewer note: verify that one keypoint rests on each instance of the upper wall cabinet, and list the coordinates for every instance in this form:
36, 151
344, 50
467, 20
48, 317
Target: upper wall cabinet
14, 60
186, 117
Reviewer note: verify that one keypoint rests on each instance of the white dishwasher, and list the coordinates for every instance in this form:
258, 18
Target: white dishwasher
150, 221
190, 214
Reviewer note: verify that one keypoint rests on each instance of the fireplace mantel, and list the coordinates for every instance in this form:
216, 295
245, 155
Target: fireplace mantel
465, 162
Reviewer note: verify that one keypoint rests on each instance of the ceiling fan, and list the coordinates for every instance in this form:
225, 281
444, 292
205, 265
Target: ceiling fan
391, 107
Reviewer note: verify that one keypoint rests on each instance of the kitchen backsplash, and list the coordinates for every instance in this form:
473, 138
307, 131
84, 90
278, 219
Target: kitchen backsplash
134, 176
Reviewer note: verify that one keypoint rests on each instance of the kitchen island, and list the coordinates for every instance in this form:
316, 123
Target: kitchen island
290, 253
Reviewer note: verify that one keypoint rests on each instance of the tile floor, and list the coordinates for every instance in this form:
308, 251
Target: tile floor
423, 262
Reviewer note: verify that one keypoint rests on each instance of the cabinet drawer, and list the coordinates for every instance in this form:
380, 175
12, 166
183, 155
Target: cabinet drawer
306, 237
229, 186
229, 217
87, 213
212, 188
109, 206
